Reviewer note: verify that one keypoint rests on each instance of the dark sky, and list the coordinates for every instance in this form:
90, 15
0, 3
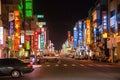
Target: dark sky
61, 16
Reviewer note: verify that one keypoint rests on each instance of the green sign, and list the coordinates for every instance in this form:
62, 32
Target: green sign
28, 13
28, 0
20, 7
27, 45
28, 8
28, 5
10, 42
40, 16
41, 42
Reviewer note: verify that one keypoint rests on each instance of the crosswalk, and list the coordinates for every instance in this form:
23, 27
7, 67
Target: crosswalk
72, 65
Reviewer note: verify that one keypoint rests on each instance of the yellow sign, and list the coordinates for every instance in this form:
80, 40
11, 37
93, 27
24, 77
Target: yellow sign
88, 31
104, 35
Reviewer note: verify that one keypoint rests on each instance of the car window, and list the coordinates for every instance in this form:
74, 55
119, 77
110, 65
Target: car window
10, 62
16, 61
4, 62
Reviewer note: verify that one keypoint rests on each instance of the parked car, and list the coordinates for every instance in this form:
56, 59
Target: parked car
14, 67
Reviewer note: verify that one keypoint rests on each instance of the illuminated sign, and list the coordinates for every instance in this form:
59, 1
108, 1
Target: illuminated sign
40, 16
80, 33
17, 23
104, 20
17, 29
75, 36
41, 42
29, 32
36, 40
82, 47
87, 31
20, 7
11, 24
28, 8
27, 45
41, 23
16, 44
22, 39
11, 28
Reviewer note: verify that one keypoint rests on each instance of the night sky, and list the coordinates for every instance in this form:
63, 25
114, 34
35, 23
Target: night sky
61, 16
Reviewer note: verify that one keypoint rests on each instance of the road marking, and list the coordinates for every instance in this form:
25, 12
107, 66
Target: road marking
48, 65
64, 64
35, 66
56, 65
82, 65
73, 65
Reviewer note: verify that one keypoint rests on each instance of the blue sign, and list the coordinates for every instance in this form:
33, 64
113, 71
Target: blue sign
75, 36
82, 47
75, 41
80, 27
11, 28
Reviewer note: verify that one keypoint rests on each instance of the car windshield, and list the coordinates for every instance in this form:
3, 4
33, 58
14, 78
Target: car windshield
10, 61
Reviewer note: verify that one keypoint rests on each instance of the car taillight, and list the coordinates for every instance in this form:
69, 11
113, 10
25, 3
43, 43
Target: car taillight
29, 65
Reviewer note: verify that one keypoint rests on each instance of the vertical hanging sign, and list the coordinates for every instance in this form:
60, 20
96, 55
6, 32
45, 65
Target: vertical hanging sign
17, 30
11, 24
80, 34
87, 31
28, 8
104, 20
42, 42
75, 36
11, 29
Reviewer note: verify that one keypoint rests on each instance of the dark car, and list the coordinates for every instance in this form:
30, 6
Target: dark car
14, 67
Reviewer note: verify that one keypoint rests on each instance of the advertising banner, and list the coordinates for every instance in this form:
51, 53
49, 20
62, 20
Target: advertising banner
80, 33
75, 37
11, 28
42, 42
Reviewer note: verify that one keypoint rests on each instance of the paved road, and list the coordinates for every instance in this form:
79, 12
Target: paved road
69, 69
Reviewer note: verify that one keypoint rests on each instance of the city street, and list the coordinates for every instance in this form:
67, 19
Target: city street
70, 69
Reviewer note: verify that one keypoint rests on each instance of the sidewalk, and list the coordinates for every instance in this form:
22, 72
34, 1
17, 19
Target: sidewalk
36, 65
115, 63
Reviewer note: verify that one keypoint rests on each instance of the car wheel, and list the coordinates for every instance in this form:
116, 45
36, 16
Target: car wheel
15, 74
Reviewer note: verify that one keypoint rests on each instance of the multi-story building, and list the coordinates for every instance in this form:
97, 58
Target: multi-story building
99, 27
6, 7
114, 27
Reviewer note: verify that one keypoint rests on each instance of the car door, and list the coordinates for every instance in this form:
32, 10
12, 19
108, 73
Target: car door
5, 67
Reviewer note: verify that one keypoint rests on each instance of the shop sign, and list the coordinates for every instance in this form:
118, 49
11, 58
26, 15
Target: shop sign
82, 47
29, 32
